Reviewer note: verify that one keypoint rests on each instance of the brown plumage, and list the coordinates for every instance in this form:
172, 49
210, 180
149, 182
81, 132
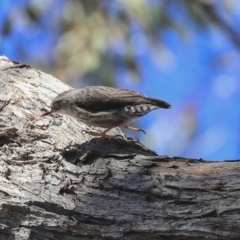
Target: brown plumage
105, 107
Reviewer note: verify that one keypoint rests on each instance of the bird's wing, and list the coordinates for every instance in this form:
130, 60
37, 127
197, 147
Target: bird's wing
101, 98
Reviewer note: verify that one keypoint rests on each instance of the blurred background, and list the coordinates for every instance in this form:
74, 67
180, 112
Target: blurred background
182, 51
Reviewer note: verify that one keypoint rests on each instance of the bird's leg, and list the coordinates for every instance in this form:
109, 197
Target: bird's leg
133, 128
102, 134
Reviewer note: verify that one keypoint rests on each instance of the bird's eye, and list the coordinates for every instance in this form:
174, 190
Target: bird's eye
55, 105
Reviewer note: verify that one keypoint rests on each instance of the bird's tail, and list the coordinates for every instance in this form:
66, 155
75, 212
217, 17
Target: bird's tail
160, 103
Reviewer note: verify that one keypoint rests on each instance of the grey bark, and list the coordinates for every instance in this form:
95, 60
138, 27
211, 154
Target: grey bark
59, 183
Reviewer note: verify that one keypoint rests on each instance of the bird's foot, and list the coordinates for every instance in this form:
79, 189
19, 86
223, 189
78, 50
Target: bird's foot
134, 129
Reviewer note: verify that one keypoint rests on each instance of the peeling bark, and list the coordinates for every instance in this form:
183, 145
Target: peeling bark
59, 183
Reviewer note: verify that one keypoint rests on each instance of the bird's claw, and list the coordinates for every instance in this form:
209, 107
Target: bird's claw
141, 130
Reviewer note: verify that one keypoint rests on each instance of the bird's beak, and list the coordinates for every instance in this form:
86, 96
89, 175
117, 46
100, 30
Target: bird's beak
47, 113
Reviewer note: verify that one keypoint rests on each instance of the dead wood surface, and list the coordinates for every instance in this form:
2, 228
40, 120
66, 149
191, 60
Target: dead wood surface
56, 182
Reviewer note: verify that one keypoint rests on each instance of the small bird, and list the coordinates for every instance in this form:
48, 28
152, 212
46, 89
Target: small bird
105, 107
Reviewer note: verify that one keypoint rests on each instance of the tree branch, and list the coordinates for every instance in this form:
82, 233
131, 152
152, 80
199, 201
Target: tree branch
57, 183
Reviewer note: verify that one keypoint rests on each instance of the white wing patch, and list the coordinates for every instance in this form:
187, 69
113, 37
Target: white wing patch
145, 108
128, 109
132, 109
140, 109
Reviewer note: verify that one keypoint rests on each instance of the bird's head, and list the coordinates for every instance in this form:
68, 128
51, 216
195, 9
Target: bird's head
55, 107
60, 104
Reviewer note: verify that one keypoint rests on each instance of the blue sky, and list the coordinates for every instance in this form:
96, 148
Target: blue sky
198, 75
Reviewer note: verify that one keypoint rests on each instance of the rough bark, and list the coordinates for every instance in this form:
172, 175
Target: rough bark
59, 183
